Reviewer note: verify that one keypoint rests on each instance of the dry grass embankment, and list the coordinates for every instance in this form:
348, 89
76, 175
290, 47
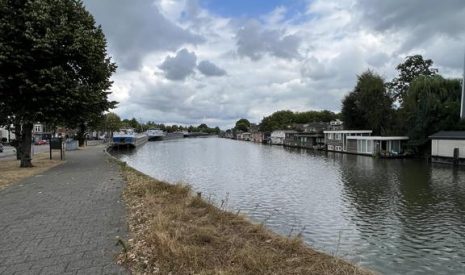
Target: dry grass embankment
174, 232
10, 172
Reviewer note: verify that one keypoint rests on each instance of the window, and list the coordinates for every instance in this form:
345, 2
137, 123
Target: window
330, 147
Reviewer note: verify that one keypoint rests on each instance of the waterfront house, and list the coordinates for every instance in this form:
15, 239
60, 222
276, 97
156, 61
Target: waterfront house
246, 136
306, 140
258, 137
336, 140
277, 137
448, 147
376, 145
336, 125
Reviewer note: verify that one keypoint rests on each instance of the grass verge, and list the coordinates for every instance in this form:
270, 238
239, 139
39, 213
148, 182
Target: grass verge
175, 232
10, 172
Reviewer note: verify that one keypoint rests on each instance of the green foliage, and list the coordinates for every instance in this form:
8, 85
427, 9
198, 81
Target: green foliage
369, 106
432, 104
54, 66
412, 67
112, 122
285, 118
242, 125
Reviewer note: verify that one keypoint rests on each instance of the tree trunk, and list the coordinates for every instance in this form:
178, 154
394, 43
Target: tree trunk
81, 135
25, 145
18, 140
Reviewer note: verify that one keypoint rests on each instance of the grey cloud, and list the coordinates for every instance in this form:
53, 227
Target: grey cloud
253, 41
180, 66
135, 29
209, 69
420, 19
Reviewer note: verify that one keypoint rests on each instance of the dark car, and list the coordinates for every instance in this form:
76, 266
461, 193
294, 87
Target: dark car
1, 148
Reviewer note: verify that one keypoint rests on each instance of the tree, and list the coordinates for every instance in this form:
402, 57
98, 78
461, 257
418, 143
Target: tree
369, 106
112, 122
412, 67
242, 125
54, 66
432, 104
277, 120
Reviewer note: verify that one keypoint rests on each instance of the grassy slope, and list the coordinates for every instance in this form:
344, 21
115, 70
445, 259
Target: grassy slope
174, 231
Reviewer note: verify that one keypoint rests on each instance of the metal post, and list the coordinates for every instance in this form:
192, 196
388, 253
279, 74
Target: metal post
462, 106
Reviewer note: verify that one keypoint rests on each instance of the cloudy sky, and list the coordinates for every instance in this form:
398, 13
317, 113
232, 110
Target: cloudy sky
215, 61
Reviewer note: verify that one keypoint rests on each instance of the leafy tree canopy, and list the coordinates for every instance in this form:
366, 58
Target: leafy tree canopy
285, 118
369, 105
432, 104
54, 66
412, 67
242, 125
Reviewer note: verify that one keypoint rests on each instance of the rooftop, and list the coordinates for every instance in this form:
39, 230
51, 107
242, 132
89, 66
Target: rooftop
378, 137
448, 135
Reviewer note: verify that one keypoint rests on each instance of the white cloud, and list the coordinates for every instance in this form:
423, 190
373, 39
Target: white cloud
276, 61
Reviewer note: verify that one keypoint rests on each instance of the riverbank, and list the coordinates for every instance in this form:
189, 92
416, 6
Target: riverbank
173, 231
11, 172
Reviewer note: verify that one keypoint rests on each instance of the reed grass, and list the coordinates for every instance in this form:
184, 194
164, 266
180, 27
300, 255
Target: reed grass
174, 231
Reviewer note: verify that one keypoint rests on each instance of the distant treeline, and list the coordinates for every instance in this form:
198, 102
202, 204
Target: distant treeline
112, 122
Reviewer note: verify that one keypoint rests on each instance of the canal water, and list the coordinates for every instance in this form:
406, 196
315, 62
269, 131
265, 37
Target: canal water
393, 216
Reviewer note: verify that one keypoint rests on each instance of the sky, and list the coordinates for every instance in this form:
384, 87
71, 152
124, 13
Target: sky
214, 61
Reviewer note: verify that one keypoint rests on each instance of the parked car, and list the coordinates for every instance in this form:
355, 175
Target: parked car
1, 148
41, 142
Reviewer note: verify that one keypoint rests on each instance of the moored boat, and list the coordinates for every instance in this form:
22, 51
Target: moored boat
155, 134
128, 137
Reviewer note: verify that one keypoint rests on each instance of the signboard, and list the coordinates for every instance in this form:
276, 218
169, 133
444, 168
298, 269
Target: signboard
56, 144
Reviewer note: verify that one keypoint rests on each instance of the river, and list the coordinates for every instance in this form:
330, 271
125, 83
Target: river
392, 216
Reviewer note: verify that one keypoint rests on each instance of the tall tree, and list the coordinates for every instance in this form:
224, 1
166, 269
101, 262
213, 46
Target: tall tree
54, 66
432, 104
242, 125
412, 67
369, 106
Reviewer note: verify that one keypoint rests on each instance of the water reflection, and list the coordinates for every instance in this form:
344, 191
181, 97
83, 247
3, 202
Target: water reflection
395, 216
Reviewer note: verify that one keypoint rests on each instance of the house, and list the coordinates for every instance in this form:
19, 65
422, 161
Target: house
336, 140
448, 147
306, 140
336, 125
277, 137
376, 145
246, 136
39, 132
258, 137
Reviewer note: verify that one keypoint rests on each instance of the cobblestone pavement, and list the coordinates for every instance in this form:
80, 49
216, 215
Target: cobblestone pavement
64, 221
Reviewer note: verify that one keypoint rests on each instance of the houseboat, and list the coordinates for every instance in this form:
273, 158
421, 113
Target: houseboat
448, 147
382, 146
306, 140
129, 138
155, 134
277, 137
336, 140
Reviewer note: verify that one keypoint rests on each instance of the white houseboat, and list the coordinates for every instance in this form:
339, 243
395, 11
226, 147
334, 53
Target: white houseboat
155, 134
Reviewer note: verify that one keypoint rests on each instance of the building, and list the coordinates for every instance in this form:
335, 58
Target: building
246, 136
6, 134
258, 137
376, 145
39, 132
306, 140
336, 125
277, 137
448, 147
336, 140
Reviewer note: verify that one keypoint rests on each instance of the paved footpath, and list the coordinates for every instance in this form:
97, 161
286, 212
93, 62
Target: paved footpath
64, 221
